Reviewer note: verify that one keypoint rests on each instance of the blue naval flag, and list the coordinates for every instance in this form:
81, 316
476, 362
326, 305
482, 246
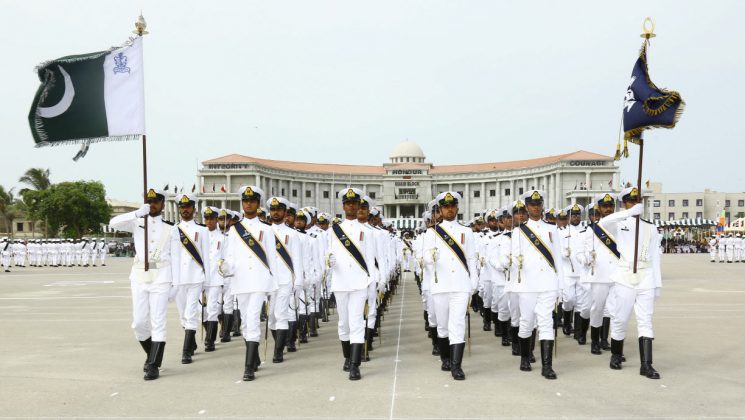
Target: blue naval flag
645, 105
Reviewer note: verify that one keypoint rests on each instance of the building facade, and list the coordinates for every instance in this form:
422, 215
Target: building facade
694, 205
404, 185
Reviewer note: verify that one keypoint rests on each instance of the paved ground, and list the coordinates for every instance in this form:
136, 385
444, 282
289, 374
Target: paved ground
67, 350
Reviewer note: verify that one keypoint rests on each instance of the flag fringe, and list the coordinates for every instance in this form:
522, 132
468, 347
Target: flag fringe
128, 137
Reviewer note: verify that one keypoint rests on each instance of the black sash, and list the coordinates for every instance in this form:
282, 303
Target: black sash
606, 240
408, 245
350, 246
7, 244
538, 244
251, 243
442, 233
190, 247
282, 251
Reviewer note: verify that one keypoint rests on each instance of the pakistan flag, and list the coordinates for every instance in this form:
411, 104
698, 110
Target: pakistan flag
90, 97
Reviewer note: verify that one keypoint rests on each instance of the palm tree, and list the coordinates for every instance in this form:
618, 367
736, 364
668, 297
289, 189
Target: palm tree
36, 178
6, 206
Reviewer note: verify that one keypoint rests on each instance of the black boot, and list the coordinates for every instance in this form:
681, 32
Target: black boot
426, 321
187, 349
303, 329
505, 327
236, 323
193, 338
209, 343
595, 340
292, 337
645, 354
369, 338
252, 351
532, 346
456, 357
154, 360
444, 345
566, 326
547, 350
146, 345
346, 351
616, 353
515, 340
487, 319
356, 356
524, 344
499, 330
227, 328
577, 325
604, 331
279, 346
582, 337
313, 321
433, 337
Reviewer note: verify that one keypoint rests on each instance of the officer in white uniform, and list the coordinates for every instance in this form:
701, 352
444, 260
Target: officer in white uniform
536, 252
378, 287
250, 259
713, 248
103, 251
572, 245
213, 284
427, 275
5, 248
191, 264
451, 253
289, 274
225, 221
602, 256
634, 291
519, 216
351, 261
150, 288
497, 257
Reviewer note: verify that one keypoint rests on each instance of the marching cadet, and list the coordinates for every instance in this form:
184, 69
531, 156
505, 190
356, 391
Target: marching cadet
488, 273
729, 247
351, 261
214, 283
225, 221
288, 274
713, 248
150, 288
191, 264
498, 258
739, 247
363, 215
309, 244
519, 216
634, 291
290, 216
572, 245
451, 253
536, 254
721, 248
430, 315
5, 253
603, 259
319, 240
103, 251
250, 259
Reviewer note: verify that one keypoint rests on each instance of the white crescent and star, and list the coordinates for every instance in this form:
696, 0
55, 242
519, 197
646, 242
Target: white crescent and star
64, 104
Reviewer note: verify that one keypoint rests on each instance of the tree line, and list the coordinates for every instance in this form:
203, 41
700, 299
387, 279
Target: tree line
68, 209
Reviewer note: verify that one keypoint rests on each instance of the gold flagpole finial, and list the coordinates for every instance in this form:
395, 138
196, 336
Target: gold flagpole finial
140, 26
648, 28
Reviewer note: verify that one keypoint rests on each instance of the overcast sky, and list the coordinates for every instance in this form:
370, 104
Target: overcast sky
345, 81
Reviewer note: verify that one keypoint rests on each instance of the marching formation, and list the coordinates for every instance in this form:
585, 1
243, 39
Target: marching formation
83, 252
288, 267
727, 247
529, 272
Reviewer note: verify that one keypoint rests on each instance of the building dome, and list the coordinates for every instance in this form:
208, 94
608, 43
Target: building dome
407, 152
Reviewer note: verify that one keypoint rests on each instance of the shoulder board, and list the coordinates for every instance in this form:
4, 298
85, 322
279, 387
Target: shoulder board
300, 231
583, 231
646, 221
265, 222
201, 224
168, 223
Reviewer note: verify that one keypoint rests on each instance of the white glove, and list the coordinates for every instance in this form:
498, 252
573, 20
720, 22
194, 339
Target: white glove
381, 287
143, 211
332, 260
637, 210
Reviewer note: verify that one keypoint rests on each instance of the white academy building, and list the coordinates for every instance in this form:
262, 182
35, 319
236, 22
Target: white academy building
404, 185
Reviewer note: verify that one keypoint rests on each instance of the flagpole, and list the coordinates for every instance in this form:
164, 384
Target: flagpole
140, 26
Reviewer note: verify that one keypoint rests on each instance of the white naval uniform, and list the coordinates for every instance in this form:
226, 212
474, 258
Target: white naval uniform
280, 311
188, 275
599, 277
350, 285
572, 246
149, 291
5, 254
634, 292
498, 262
214, 282
379, 284
538, 284
103, 251
485, 272
252, 280
713, 249
426, 273
454, 283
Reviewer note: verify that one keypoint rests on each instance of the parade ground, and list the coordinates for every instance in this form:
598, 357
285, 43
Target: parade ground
68, 351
